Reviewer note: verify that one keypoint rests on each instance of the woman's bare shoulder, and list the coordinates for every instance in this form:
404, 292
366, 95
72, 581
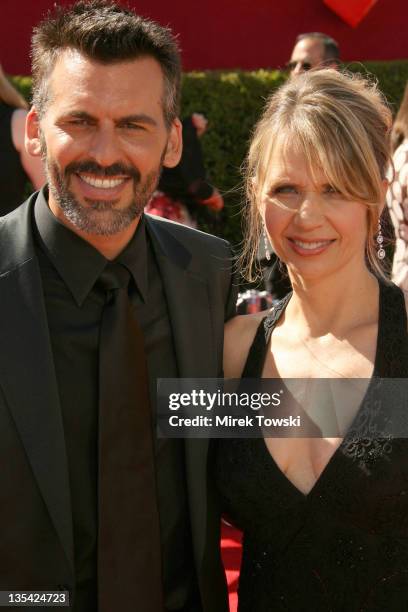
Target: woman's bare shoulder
239, 334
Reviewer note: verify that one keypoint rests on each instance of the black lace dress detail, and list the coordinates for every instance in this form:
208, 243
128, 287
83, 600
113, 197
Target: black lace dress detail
343, 547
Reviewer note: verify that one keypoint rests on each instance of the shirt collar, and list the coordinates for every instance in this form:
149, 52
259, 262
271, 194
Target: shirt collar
77, 262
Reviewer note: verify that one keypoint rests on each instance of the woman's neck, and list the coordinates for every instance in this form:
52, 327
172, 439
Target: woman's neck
329, 305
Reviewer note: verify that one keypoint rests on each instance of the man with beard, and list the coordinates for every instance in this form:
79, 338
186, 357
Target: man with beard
98, 301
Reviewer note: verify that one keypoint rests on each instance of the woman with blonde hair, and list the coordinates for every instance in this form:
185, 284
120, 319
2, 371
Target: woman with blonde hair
324, 519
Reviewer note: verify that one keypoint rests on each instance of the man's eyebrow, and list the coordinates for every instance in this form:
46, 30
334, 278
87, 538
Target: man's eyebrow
78, 115
82, 115
138, 118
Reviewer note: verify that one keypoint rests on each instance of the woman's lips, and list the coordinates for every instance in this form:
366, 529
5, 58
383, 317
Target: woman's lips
310, 247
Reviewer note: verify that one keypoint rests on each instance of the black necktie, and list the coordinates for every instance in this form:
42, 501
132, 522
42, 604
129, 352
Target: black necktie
129, 560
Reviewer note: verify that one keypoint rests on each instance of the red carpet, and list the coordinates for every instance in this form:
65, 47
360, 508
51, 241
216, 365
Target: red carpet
231, 556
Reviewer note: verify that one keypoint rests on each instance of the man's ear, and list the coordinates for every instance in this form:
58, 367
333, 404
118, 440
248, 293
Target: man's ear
174, 148
32, 133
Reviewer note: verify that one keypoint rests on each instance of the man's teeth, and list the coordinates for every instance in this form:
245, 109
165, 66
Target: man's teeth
311, 245
105, 183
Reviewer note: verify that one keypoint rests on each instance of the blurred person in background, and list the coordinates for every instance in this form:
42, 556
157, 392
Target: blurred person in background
9, 95
185, 188
397, 196
17, 167
313, 50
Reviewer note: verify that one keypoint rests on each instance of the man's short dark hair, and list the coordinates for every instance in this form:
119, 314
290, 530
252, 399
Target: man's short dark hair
107, 33
331, 51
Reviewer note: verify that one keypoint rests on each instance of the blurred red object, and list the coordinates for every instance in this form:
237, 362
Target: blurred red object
351, 11
215, 202
163, 206
231, 552
252, 301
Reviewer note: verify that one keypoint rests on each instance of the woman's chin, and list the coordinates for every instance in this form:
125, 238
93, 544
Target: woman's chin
311, 273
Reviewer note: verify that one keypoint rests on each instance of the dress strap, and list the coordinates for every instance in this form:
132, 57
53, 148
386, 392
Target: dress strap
392, 344
257, 352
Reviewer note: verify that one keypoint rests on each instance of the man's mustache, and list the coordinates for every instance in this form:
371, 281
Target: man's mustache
92, 167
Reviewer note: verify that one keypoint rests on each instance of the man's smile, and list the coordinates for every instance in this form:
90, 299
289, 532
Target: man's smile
100, 188
104, 183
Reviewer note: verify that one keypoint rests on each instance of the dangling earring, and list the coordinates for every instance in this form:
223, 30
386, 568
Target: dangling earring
380, 240
266, 246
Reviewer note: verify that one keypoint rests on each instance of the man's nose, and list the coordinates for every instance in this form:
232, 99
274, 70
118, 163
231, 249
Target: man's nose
104, 147
297, 69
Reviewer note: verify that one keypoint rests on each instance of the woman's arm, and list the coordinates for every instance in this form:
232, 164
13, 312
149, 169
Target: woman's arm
9, 94
238, 336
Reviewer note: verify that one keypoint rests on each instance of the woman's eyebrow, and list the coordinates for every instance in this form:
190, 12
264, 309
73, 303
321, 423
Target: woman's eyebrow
279, 181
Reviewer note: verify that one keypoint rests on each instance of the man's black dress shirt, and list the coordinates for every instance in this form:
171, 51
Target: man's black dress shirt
69, 269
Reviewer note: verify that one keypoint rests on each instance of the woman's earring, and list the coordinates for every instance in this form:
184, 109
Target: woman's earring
266, 246
380, 240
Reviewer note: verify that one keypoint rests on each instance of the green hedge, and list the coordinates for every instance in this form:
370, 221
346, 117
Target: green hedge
232, 101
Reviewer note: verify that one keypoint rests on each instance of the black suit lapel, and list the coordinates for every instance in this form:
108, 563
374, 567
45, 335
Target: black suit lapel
188, 303
27, 373
190, 317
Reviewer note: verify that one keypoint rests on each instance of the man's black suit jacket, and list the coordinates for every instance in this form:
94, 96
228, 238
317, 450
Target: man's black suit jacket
36, 545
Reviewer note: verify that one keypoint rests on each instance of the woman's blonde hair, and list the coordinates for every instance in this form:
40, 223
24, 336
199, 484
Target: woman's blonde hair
341, 124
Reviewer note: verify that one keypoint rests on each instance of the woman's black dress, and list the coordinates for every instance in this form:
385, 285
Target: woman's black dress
344, 546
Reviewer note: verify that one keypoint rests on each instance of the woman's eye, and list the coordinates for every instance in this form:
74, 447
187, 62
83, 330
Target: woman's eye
330, 190
284, 189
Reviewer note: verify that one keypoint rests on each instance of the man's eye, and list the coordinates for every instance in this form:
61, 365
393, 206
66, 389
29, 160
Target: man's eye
79, 122
133, 126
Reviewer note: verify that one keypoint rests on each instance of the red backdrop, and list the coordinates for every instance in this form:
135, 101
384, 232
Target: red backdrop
245, 34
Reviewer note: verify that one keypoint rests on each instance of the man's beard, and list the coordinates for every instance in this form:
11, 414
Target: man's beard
99, 216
